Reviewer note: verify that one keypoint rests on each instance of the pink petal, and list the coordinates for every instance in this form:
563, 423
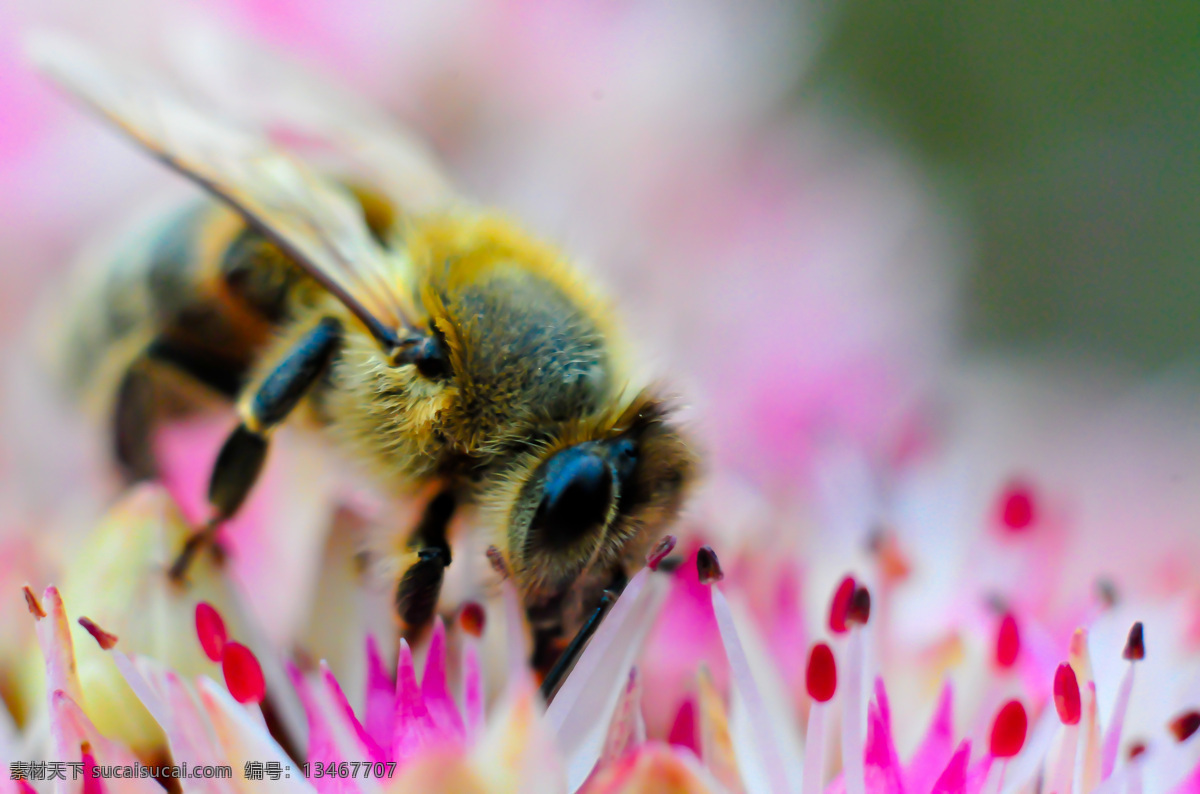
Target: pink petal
1112, 735
58, 651
1190, 784
345, 724
882, 765
626, 730
79, 729
745, 686
322, 747
977, 775
438, 700
414, 727
242, 738
189, 733
472, 677
953, 779
683, 729
580, 711
935, 750
379, 711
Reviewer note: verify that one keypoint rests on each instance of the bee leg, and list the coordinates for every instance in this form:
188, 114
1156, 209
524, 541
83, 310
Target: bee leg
242, 456
419, 589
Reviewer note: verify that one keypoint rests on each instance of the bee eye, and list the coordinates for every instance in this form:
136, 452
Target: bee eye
576, 498
624, 457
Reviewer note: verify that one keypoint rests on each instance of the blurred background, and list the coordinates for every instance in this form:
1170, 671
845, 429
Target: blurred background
1066, 133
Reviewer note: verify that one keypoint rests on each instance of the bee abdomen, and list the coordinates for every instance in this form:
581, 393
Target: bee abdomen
195, 293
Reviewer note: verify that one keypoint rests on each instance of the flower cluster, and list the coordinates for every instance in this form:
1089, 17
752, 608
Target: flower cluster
437, 731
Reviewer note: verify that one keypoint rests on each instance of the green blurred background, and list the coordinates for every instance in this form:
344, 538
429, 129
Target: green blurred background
1070, 134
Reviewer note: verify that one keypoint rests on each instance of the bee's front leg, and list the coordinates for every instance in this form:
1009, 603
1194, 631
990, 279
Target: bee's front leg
242, 456
419, 589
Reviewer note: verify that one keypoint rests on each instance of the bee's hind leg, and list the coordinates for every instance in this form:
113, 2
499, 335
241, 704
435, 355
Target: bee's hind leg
244, 452
419, 589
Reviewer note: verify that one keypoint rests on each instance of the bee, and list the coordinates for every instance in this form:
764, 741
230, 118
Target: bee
446, 348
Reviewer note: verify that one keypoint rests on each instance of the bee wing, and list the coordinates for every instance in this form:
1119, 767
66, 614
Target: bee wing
311, 218
284, 97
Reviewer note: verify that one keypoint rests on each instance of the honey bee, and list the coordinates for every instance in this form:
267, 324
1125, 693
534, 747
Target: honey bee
439, 343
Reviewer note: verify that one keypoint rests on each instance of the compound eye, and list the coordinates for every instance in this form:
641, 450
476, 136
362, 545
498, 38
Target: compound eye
577, 496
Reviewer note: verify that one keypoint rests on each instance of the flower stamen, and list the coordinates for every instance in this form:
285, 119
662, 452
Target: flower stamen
105, 640
1008, 642
1135, 651
840, 606
243, 674
210, 629
660, 551
821, 682
35, 605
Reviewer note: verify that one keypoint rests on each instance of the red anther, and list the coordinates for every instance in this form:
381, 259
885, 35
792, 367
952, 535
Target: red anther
496, 560
33, 602
105, 640
1008, 731
243, 675
1135, 646
1066, 695
1183, 726
708, 566
1136, 749
860, 607
1018, 510
1008, 641
472, 618
210, 629
840, 606
660, 551
821, 677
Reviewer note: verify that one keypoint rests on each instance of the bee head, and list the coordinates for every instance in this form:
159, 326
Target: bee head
595, 500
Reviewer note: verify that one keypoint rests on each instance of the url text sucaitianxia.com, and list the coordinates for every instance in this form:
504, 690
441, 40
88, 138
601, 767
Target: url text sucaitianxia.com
76, 770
